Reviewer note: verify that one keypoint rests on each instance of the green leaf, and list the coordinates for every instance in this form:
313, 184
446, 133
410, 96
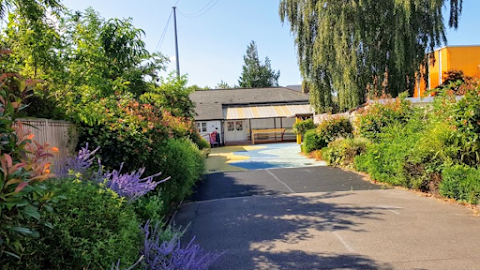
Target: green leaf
22, 230
32, 211
35, 234
48, 208
12, 254
48, 225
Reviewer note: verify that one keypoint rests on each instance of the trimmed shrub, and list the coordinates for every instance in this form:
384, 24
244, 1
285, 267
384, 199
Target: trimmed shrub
312, 141
462, 183
342, 152
185, 164
303, 126
92, 228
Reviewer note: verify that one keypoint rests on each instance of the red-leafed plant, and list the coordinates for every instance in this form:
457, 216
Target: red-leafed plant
24, 166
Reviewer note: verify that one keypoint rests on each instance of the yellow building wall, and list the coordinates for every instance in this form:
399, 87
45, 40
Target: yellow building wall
464, 58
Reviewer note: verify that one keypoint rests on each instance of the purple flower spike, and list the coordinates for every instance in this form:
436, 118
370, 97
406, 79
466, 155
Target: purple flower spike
170, 255
131, 185
79, 163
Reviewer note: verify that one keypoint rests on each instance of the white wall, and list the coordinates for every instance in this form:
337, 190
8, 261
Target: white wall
211, 127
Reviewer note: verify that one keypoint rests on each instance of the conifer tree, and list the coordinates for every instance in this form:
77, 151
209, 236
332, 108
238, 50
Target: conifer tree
255, 74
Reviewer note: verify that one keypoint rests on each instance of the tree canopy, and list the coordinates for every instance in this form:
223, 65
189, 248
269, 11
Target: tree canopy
350, 49
223, 85
255, 73
80, 58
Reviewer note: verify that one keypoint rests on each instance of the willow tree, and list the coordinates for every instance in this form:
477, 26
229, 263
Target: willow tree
352, 48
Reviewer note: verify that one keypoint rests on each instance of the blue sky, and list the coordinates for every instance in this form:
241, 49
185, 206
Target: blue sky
212, 45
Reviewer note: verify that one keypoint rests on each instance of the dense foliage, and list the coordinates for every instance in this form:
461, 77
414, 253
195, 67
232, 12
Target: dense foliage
303, 126
349, 49
342, 152
382, 113
255, 73
24, 168
433, 149
185, 163
312, 141
327, 131
92, 228
97, 74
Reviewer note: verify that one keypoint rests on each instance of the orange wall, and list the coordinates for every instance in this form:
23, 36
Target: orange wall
465, 58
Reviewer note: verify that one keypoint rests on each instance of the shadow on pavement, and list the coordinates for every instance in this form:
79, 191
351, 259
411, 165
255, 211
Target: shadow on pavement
224, 185
278, 232
303, 260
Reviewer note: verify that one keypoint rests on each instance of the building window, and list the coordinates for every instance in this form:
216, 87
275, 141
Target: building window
230, 126
201, 127
239, 125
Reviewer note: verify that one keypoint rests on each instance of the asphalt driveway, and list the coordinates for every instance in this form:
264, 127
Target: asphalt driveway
326, 218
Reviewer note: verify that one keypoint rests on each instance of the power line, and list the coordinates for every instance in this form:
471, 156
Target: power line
162, 37
196, 16
198, 11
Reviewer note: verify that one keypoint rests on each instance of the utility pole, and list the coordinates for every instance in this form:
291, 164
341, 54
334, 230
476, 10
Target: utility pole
176, 40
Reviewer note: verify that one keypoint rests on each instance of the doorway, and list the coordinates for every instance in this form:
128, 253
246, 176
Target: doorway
235, 130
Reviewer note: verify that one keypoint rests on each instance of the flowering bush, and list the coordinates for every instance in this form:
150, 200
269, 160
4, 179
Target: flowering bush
79, 163
130, 185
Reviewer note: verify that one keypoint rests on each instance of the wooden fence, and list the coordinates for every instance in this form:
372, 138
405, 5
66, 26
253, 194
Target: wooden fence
60, 134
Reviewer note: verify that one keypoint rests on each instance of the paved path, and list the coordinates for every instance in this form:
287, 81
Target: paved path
325, 218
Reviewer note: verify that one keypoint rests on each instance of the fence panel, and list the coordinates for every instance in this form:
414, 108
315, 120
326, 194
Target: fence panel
60, 134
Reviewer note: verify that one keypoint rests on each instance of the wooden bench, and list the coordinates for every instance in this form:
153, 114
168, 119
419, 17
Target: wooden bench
281, 131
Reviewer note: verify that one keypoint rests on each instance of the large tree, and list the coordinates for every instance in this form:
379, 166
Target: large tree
255, 73
352, 48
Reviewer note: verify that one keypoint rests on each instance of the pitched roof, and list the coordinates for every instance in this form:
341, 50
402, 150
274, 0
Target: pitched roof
209, 102
296, 87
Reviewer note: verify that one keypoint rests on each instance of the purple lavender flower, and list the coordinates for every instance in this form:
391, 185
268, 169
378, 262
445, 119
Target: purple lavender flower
79, 163
130, 185
169, 255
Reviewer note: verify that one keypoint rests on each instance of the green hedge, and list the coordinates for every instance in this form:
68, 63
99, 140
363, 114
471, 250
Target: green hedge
184, 162
312, 141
